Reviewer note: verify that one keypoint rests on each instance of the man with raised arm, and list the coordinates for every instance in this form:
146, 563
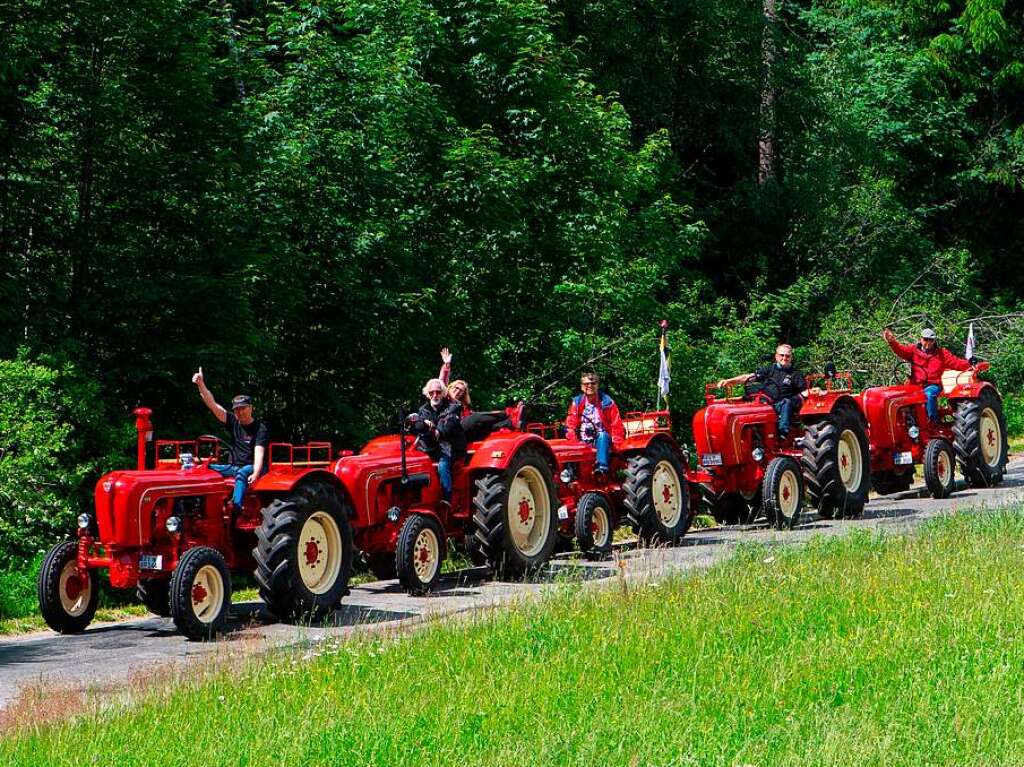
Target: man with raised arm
249, 439
927, 362
783, 383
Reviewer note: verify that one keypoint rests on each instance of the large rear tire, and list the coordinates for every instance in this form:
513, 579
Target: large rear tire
939, 468
516, 516
66, 600
200, 593
836, 464
980, 441
783, 491
155, 595
656, 498
304, 552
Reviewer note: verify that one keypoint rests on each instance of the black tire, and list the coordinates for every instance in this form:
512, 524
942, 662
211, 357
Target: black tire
492, 515
783, 491
382, 565
293, 581
658, 463
200, 593
889, 482
155, 595
474, 552
836, 464
420, 540
729, 508
594, 526
982, 457
73, 613
939, 468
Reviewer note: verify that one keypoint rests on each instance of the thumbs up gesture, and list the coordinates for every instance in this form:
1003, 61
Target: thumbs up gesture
197, 379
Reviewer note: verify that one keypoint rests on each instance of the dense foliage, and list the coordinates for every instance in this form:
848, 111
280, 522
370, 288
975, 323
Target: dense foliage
310, 198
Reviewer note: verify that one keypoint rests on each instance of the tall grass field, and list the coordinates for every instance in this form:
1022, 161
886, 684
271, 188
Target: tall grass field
859, 650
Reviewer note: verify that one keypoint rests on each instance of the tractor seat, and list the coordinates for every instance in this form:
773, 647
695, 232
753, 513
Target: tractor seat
953, 378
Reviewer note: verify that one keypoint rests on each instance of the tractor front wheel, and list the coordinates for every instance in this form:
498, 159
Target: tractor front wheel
594, 526
980, 439
200, 593
515, 515
419, 553
67, 599
656, 498
783, 491
304, 552
939, 466
155, 594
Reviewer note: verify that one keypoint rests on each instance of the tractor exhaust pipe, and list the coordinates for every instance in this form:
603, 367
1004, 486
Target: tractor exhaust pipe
144, 434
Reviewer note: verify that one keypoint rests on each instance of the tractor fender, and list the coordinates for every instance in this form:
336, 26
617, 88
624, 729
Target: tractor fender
278, 482
972, 390
497, 451
818, 406
640, 442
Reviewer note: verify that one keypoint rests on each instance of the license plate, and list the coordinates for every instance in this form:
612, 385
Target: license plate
903, 459
563, 512
711, 459
151, 562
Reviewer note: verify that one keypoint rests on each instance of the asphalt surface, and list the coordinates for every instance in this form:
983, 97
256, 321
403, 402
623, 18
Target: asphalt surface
115, 655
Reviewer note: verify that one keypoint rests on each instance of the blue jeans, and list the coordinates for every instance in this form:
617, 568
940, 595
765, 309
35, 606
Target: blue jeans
603, 444
241, 475
931, 403
444, 473
784, 409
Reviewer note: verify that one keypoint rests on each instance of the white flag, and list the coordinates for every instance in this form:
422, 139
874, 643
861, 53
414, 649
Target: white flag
665, 370
969, 349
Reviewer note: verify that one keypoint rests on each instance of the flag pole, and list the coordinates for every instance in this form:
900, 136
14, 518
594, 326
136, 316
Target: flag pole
664, 365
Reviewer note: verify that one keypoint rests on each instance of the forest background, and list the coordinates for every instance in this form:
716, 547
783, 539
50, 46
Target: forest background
309, 199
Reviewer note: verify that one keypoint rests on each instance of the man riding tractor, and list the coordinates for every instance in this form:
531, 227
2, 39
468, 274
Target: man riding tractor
927, 361
781, 382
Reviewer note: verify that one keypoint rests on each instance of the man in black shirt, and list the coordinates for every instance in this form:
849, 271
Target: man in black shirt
439, 426
783, 383
249, 439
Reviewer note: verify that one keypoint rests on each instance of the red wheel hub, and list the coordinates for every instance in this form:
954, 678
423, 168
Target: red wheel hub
199, 593
73, 587
785, 493
312, 553
524, 511
942, 469
666, 493
844, 461
424, 554
990, 435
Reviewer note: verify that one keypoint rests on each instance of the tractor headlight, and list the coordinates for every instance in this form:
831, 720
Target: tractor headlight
565, 476
393, 514
758, 454
914, 432
173, 524
83, 521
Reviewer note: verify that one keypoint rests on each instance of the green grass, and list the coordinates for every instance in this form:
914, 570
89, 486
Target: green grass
857, 650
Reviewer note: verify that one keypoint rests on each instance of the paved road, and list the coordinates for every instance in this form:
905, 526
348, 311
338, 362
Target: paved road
110, 655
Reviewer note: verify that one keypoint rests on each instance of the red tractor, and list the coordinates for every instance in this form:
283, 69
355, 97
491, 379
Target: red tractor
167, 532
971, 431
645, 487
744, 468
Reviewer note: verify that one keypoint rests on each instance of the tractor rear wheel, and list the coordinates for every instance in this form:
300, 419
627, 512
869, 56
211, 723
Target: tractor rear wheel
939, 468
382, 565
783, 491
200, 593
980, 441
836, 464
515, 515
155, 595
66, 600
304, 552
656, 498
419, 553
594, 526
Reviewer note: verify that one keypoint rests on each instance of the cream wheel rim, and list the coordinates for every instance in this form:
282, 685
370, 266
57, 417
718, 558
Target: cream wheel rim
851, 467
426, 555
667, 493
207, 594
991, 437
319, 552
529, 511
789, 493
944, 467
600, 527
75, 591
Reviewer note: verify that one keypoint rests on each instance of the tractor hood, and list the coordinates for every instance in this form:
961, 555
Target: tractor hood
718, 428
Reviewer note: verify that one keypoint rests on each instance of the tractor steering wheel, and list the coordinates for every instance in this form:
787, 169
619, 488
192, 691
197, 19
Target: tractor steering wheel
225, 448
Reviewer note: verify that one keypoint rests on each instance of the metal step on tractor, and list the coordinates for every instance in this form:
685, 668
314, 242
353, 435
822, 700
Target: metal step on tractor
745, 469
971, 432
168, 531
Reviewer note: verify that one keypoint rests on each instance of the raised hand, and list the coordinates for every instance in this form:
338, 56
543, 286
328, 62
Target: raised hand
888, 335
446, 356
197, 379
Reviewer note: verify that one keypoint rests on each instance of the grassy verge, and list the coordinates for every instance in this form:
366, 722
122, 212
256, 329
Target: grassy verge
858, 650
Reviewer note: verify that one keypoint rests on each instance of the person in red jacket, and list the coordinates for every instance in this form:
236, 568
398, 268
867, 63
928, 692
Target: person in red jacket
593, 418
927, 361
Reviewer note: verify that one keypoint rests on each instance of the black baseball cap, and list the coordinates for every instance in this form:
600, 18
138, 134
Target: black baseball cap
241, 400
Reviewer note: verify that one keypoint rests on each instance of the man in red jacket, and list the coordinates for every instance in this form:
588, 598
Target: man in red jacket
927, 361
593, 418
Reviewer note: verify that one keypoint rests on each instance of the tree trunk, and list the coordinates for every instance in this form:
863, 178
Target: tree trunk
766, 135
